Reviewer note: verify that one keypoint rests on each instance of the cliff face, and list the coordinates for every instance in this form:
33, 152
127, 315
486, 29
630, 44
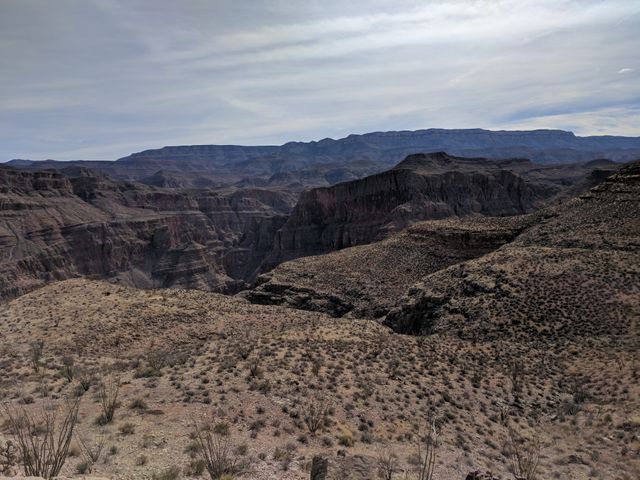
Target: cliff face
54, 227
423, 187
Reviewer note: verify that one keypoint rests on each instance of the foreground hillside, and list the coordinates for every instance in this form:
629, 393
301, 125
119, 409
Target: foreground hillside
258, 370
528, 339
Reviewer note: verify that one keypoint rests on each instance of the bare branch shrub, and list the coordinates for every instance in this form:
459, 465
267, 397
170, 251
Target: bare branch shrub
427, 449
516, 372
524, 455
387, 464
68, 367
108, 393
216, 449
315, 414
43, 443
85, 377
36, 349
91, 451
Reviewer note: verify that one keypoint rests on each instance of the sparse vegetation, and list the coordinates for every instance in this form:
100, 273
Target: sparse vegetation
524, 455
90, 450
315, 414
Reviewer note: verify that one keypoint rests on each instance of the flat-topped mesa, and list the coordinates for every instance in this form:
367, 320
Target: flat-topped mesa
422, 187
437, 162
232, 163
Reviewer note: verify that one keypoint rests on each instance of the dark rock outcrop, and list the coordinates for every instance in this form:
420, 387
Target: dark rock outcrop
478, 475
422, 187
356, 467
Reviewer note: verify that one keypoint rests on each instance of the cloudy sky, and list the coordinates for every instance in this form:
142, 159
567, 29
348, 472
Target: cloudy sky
99, 79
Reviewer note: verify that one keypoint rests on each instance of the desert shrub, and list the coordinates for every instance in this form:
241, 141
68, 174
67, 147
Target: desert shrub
68, 367
524, 455
42, 443
83, 468
427, 446
216, 450
36, 349
8, 458
127, 428
138, 404
387, 462
196, 468
108, 394
345, 437
171, 473
85, 378
315, 414
90, 451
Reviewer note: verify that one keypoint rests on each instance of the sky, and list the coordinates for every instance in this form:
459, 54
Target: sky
99, 79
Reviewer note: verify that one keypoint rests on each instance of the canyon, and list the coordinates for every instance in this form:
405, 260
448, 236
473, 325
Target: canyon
75, 221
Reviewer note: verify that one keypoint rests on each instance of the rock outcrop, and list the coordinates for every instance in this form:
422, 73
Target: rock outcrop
357, 467
368, 280
59, 224
54, 227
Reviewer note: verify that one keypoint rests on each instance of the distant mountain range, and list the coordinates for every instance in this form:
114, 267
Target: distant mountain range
298, 165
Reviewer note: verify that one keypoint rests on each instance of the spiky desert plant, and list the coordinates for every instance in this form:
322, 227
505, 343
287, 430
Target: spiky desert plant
315, 414
43, 443
427, 449
91, 451
108, 392
524, 455
216, 449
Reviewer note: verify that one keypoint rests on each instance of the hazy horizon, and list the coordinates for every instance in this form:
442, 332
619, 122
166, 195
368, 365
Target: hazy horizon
100, 79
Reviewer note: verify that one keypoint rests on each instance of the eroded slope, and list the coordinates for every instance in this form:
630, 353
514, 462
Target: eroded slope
573, 274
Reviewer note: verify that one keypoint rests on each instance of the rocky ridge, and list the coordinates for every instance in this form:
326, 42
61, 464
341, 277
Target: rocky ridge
329, 161
572, 274
60, 224
423, 187
566, 269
